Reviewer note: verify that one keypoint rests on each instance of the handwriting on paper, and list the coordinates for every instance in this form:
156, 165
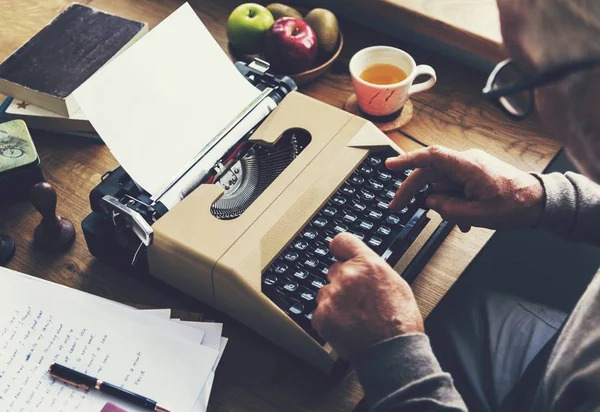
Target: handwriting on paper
31, 340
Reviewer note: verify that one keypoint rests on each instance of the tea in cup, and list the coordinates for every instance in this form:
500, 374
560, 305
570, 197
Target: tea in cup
383, 79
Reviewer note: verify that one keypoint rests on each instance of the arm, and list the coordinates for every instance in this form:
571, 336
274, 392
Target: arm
572, 207
402, 373
369, 315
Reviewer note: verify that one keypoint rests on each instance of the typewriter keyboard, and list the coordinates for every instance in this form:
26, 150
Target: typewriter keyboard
361, 207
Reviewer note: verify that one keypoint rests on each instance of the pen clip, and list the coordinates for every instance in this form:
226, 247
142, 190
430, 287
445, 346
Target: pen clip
77, 385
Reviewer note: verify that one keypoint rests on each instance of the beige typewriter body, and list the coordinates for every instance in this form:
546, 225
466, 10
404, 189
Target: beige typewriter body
221, 262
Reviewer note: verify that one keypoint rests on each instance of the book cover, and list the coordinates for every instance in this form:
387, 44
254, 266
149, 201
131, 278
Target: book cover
64, 54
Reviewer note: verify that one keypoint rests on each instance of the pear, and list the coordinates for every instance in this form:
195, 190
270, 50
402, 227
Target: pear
325, 25
281, 10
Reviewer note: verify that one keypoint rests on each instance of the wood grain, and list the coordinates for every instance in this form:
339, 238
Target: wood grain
254, 374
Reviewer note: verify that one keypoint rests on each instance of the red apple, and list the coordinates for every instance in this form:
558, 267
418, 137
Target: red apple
291, 45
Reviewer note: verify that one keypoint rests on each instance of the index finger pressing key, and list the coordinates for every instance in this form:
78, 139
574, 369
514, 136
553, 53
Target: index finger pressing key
413, 183
346, 246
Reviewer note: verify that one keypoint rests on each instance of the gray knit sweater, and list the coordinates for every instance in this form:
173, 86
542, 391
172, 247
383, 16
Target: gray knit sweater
402, 373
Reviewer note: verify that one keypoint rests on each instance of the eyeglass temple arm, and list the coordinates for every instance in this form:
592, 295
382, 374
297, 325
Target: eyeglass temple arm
541, 79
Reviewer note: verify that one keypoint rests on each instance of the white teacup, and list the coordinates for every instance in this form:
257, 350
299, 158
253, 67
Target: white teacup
382, 100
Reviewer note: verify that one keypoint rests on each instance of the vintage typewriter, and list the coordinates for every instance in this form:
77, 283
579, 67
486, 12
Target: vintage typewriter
250, 236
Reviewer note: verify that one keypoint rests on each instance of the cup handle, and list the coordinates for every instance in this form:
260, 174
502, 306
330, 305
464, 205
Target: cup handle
421, 87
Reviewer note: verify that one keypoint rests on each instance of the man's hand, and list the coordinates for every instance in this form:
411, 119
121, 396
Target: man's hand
470, 188
365, 302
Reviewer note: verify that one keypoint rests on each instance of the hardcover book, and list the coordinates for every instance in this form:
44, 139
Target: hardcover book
47, 69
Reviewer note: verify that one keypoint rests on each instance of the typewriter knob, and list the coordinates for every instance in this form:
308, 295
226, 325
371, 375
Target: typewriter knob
54, 233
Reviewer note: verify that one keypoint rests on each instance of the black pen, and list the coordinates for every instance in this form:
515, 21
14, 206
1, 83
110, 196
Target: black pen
85, 382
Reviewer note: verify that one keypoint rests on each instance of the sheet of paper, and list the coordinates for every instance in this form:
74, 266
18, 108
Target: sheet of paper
212, 339
213, 332
162, 100
161, 313
41, 323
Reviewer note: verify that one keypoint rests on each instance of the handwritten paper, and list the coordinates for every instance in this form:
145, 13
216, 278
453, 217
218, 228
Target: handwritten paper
42, 323
161, 101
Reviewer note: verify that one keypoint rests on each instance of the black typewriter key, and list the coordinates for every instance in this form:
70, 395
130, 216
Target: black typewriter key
359, 207
308, 317
373, 161
349, 216
281, 299
374, 184
357, 180
338, 200
384, 176
403, 211
407, 172
311, 261
329, 235
297, 308
321, 250
359, 235
306, 295
374, 214
412, 201
300, 244
365, 225
300, 273
279, 267
320, 221
424, 189
374, 241
324, 270
383, 205
309, 233
269, 279
397, 184
290, 255
384, 231
339, 227
366, 195
347, 190
365, 169
390, 194
329, 211
392, 219
290, 286
317, 283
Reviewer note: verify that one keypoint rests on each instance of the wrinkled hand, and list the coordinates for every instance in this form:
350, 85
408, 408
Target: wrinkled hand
470, 188
365, 302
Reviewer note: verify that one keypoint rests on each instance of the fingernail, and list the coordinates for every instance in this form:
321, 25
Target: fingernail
431, 202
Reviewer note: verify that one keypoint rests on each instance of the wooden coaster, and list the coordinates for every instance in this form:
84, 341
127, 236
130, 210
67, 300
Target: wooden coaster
396, 123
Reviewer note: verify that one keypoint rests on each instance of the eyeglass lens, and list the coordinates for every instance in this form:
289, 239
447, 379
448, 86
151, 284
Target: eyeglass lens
517, 104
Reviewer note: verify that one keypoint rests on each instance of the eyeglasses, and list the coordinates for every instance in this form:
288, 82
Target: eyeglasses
514, 89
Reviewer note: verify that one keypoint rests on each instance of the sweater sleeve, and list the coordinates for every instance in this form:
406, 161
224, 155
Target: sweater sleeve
402, 373
572, 207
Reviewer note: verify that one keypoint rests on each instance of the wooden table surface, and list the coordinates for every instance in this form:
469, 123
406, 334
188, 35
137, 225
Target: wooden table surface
255, 374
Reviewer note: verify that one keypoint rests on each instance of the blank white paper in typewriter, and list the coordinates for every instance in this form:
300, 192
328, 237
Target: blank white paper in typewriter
161, 101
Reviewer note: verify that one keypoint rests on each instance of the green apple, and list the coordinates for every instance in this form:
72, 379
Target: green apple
247, 26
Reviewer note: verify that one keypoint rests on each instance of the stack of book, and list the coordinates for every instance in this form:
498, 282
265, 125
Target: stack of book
41, 75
